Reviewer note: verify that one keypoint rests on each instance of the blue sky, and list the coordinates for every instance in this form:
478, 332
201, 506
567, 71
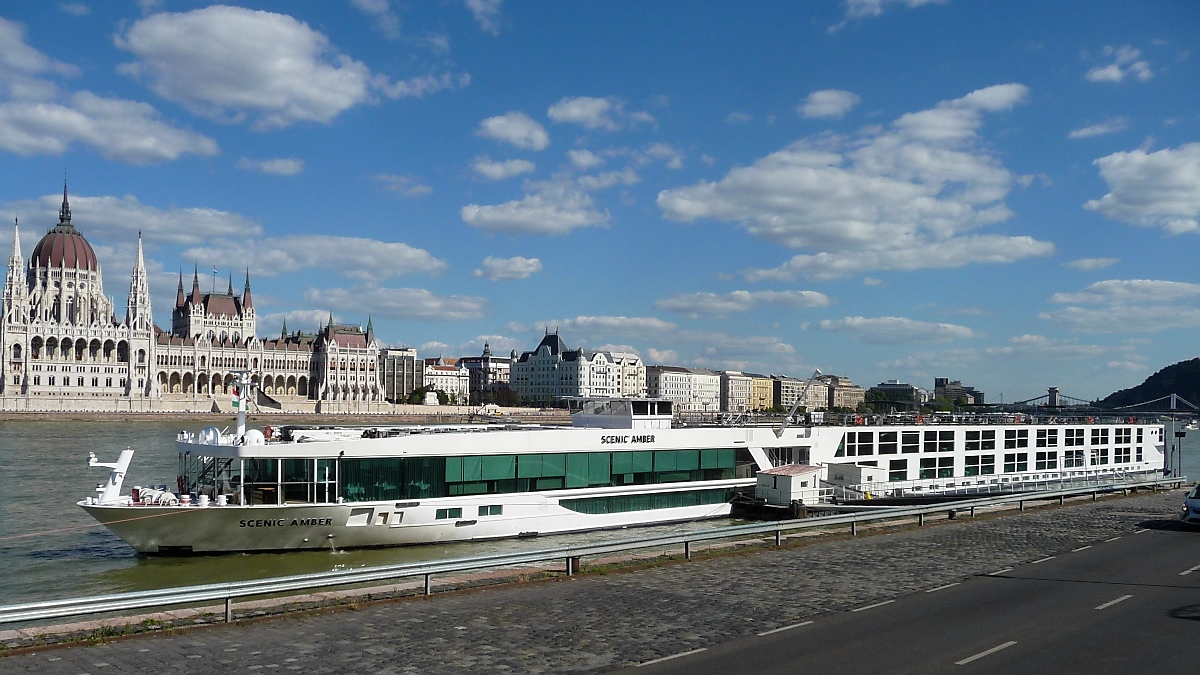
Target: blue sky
1006, 193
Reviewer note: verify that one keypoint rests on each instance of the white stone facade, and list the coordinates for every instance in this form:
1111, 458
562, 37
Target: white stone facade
551, 372
692, 389
451, 379
735, 391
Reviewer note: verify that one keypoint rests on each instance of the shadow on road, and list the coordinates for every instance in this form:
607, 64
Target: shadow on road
1189, 612
1171, 525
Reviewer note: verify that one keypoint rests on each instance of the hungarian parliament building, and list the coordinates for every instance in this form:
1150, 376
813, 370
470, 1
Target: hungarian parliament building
65, 349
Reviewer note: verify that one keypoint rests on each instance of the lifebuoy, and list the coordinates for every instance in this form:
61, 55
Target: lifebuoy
268, 431
1090, 420
858, 419
920, 419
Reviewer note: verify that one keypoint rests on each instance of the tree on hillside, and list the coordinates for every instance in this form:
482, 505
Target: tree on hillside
1182, 378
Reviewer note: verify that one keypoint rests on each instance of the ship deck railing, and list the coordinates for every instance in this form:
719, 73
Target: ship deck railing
990, 484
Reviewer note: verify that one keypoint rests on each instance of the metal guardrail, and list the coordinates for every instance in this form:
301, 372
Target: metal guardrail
227, 592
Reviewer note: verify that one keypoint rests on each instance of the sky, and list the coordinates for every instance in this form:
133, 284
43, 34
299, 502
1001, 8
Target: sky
1005, 193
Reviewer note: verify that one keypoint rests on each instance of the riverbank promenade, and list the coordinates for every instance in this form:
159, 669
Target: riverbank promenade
608, 621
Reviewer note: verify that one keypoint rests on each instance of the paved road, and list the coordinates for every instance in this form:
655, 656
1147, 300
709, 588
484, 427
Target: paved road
1128, 604
604, 622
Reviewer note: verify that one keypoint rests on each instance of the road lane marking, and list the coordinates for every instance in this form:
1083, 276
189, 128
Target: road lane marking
999, 572
1189, 570
1110, 603
1113, 539
1140, 531
988, 652
1043, 560
673, 656
878, 604
780, 630
940, 588
1081, 548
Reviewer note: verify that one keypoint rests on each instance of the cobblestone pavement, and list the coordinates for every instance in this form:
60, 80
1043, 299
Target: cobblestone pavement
603, 621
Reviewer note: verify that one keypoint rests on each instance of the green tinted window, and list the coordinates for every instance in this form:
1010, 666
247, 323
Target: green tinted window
499, 467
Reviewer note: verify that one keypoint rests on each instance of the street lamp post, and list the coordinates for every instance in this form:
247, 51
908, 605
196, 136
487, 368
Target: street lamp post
1179, 452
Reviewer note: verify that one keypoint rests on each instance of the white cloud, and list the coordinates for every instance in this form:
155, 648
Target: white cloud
122, 218
282, 166
869, 9
1127, 306
406, 186
589, 112
585, 159
270, 325
553, 208
607, 179
229, 63
121, 130
1130, 291
37, 120
737, 117
385, 19
828, 103
672, 158
516, 267
901, 197
1131, 366
515, 128
400, 303
642, 117
1110, 126
75, 8
1042, 346
592, 113
493, 170
1124, 318
696, 305
354, 257
1126, 61
1152, 189
896, 330
487, 14
661, 356
1091, 264
950, 253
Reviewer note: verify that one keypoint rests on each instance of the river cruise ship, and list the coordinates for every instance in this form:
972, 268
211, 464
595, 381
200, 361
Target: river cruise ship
620, 463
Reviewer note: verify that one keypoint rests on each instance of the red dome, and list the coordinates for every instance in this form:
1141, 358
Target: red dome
64, 247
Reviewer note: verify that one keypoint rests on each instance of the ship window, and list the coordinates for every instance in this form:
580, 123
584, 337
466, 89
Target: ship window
1016, 438
1100, 436
928, 468
494, 510
1099, 456
1073, 437
1044, 461
945, 467
640, 408
1047, 438
887, 442
443, 514
1123, 436
910, 441
931, 441
1072, 459
898, 469
1016, 461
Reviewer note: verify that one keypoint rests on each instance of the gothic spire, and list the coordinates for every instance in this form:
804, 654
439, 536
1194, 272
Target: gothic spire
283, 333
180, 298
370, 329
230, 291
196, 285
247, 301
16, 249
64, 211
138, 314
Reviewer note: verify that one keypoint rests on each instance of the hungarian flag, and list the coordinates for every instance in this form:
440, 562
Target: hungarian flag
239, 402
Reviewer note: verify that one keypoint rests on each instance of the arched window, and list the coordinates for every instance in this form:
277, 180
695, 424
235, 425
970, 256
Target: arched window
141, 356
16, 352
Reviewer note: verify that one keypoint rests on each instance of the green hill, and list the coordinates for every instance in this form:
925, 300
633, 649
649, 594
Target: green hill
1182, 378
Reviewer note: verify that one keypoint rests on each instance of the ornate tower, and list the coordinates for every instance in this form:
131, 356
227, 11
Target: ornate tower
16, 294
138, 315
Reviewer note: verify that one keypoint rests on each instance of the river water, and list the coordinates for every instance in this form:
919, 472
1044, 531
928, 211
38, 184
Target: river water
50, 548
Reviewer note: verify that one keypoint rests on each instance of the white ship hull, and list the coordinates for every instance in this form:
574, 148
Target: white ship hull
221, 529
